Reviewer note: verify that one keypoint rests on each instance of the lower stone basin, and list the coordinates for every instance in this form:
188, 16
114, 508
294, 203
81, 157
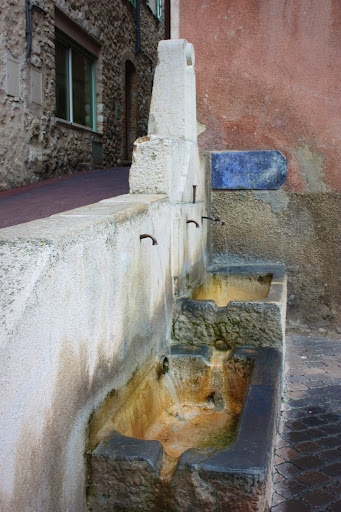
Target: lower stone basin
198, 437
235, 305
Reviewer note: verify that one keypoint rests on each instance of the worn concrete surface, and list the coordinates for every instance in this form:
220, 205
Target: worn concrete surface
307, 470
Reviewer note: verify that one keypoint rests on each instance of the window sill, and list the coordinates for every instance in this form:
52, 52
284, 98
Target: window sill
75, 126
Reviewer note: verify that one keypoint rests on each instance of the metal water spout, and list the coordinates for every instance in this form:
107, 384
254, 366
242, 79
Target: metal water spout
194, 222
215, 219
149, 236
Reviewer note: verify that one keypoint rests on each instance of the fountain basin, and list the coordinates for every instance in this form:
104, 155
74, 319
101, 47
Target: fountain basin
236, 305
227, 469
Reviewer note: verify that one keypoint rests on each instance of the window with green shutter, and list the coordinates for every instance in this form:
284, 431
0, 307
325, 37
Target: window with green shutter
75, 83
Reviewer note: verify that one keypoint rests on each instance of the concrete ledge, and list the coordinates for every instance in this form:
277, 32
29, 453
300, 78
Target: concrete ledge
116, 210
120, 447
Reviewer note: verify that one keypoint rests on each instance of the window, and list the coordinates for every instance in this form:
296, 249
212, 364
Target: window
75, 82
158, 12
156, 7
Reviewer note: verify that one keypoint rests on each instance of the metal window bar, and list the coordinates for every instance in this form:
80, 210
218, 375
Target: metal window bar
93, 97
69, 88
158, 9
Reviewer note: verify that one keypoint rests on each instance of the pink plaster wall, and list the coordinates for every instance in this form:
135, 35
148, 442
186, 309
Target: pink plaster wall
269, 77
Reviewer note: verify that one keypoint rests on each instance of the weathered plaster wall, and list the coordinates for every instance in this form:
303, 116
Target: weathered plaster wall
302, 230
33, 144
267, 75
268, 78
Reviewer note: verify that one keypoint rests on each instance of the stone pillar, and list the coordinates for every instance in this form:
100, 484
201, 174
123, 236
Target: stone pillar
173, 105
167, 161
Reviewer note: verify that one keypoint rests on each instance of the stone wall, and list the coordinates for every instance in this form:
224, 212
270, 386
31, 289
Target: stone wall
34, 144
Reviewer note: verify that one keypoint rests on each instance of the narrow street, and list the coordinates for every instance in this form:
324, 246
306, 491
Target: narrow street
60, 194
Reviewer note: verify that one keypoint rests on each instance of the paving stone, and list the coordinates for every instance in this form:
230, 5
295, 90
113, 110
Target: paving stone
300, 403
330, 442
319, 498
281, 442
296, 395
333, 469
292, 414
308, 462
296, 386
310, 428
287, 453
286, 428
290, 488
317, 363
287, 469
312, 421
64, 193
314, 409
291, 506
315, 371
331, 417
296, 425
308, 447
335, 486
331, 429
297, 379
303, 435
314, 478
277, 477
276, 499
295, 436
335, 507
330, 455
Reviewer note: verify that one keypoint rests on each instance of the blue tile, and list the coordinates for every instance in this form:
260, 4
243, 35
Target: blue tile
252, 170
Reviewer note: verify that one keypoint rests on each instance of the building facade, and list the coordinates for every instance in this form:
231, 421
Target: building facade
75, 84
268, 78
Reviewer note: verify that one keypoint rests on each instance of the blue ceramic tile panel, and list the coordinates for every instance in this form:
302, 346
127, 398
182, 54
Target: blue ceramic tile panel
252, 170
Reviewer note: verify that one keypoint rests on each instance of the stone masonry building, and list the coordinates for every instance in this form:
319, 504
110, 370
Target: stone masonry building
75, 84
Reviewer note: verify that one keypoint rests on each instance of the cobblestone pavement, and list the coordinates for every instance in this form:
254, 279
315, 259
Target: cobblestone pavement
60, 194
307, 466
